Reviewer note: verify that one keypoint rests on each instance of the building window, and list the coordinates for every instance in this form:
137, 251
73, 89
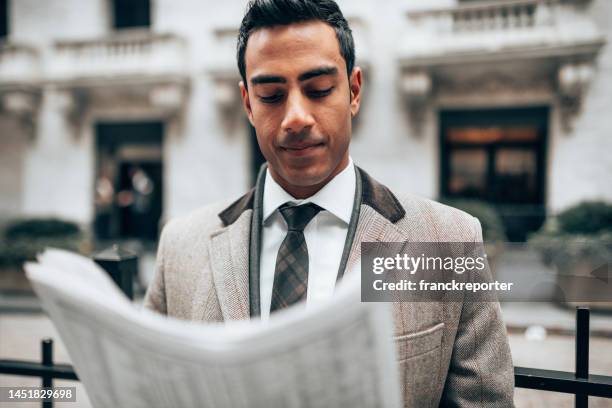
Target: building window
497, 156
131, 14
4, 19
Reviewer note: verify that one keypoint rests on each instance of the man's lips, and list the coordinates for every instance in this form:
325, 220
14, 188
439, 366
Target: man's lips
302, 150
298, 147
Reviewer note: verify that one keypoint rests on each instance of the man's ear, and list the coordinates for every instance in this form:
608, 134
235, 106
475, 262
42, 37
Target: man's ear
246, 103
355, 87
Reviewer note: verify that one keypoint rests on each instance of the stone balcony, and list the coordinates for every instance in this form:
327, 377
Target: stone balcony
510, 29
510, 51
133, 56
121, 72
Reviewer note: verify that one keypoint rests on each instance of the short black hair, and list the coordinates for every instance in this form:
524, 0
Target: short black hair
271, 13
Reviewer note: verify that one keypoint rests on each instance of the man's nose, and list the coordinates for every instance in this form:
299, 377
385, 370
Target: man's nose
297, 115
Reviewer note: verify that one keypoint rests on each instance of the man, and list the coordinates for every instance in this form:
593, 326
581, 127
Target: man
299, 230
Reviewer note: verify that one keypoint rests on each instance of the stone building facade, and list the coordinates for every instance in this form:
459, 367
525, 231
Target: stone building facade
121, 114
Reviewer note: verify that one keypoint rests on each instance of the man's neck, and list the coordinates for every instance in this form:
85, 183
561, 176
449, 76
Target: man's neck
302, 192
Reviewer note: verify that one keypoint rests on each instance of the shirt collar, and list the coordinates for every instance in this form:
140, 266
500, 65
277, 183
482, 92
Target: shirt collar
337, 196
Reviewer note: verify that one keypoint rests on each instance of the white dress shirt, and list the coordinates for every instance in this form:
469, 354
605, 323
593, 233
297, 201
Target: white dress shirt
325, 235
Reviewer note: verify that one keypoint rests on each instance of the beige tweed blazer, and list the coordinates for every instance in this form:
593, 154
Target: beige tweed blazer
449, 353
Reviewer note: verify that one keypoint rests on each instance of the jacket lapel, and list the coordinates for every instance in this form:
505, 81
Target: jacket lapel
234, 254
379, 210
372, 227
229, 257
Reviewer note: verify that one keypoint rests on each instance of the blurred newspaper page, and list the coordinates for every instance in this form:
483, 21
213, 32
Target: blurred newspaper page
338, 354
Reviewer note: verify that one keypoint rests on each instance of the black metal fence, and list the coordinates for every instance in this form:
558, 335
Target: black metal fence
580, 382
122, 267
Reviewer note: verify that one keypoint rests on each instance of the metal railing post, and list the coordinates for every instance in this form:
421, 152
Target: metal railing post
582, 352
121, 265
46, 347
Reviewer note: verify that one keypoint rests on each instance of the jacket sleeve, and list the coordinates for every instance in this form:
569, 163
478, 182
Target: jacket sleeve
481, 372
155, 298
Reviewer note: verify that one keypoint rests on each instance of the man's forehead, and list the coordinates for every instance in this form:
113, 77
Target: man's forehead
296, 47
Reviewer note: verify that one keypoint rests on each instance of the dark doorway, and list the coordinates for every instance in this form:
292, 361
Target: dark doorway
498, 156
140, 218
131, 13
4, 19
129, 174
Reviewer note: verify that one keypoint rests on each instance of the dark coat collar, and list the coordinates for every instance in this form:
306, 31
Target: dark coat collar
380, 198
374, 194
231, 213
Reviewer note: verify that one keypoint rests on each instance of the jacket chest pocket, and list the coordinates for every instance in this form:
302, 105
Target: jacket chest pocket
419, 359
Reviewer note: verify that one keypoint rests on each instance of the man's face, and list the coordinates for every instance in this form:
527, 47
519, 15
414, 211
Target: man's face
300, 101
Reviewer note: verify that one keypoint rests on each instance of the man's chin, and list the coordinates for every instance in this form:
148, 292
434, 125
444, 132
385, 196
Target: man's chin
306, 177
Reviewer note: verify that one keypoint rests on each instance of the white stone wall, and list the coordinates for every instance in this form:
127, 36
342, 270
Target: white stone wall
580, 161
208, 159
58, 167
384, 143
14, 143
206, 152
42, 22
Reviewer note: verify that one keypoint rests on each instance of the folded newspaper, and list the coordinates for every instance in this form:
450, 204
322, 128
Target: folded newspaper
337, 354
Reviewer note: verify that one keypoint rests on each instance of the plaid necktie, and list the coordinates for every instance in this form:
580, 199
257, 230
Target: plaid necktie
291, 273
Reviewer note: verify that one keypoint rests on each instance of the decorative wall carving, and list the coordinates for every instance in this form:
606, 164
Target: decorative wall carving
416, 86
22, 104
573, 81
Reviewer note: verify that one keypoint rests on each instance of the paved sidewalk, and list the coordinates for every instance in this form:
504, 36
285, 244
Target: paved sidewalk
21, 335
555, 319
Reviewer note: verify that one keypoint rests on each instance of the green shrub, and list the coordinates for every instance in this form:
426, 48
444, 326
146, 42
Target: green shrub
567, 249
40, 227
581, 231
492, 226
24, 239
589, 217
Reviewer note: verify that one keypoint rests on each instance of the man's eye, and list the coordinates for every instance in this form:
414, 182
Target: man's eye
320, 93
272, 98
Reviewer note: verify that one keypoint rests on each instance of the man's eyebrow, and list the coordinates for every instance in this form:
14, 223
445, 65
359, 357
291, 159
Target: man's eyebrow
275, 79
318, 72
267, 79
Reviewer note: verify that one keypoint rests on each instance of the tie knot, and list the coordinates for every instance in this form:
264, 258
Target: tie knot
298, 216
